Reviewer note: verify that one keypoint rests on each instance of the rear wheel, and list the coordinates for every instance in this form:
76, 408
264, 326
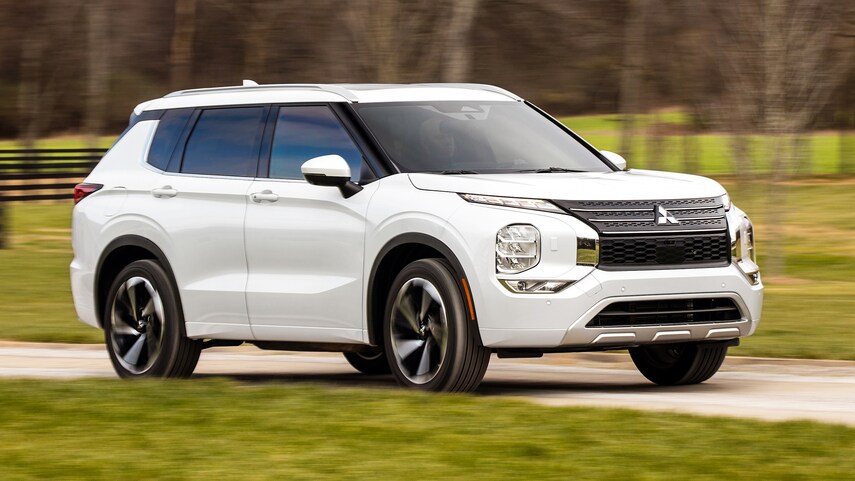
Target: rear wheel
676, 364
369, 362
143, 325
431, 342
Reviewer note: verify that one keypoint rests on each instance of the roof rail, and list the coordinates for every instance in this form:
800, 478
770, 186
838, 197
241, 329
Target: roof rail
333, 89
470, 86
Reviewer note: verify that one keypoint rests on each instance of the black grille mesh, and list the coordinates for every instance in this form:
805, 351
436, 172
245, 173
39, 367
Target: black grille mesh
664, 250
666, 312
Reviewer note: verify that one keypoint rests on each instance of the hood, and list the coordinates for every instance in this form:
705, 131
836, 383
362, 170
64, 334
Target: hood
629, 185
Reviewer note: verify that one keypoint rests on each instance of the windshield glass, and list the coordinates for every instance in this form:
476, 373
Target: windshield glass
475, 137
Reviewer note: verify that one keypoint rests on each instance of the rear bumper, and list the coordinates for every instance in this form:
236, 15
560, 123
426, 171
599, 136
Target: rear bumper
556, 321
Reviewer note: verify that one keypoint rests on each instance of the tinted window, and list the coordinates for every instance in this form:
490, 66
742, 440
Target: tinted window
305, 132
492, 137
168, 130
224, 142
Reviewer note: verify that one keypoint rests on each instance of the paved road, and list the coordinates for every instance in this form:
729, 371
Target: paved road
772, 389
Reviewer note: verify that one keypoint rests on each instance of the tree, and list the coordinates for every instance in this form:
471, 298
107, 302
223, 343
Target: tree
632, 73
181, 46
98, 78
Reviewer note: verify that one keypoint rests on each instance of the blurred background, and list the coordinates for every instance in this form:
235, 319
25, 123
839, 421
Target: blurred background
759, 94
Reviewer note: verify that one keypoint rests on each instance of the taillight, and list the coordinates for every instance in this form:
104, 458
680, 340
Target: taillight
81, 191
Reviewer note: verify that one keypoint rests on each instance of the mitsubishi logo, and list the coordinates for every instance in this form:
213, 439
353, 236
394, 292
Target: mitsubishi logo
663, 216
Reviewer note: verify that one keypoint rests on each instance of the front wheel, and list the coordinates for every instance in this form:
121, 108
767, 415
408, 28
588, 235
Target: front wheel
431, 342
143, 325
676, 364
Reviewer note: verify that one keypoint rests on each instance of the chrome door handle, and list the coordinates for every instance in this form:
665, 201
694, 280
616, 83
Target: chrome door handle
165, 191
265, 195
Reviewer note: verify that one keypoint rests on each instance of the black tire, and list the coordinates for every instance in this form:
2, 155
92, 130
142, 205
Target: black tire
678, 364
416, 328
144, 325
369, 362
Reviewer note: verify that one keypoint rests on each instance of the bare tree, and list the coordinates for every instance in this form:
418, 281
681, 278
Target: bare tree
456, 68
98, 78
803, 67
632, 71
181, 47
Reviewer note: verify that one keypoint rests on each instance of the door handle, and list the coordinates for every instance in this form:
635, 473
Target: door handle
164, 192
265, 195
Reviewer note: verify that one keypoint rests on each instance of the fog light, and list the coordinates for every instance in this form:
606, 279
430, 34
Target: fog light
534, 286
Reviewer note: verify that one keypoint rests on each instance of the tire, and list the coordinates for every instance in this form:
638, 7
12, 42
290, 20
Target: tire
431, 342
678, 364
369, 362
144, 325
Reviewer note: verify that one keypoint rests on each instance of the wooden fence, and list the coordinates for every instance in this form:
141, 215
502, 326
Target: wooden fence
44, 174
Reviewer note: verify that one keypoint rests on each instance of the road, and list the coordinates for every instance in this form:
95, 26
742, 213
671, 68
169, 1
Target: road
771, 389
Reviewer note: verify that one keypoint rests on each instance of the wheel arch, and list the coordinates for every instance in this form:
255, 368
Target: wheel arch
394, 256
120, 252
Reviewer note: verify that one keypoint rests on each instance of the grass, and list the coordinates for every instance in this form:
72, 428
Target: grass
220, 429
807, 313
713, 150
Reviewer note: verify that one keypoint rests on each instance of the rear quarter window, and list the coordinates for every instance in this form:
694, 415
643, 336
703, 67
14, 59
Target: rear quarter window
166, 137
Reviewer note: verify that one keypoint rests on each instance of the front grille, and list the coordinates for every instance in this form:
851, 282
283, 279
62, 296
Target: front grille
666, 312
634, 234
640, 216
620, 253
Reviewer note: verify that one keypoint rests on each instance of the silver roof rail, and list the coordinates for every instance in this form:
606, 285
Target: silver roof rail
484, 87
340, 90
333, 89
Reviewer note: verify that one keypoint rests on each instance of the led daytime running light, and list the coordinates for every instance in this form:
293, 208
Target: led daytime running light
519, 203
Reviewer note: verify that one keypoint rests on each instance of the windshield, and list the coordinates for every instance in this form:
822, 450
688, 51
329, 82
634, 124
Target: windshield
475, 137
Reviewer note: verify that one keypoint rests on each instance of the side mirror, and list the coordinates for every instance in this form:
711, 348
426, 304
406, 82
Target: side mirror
332, 171
614, 158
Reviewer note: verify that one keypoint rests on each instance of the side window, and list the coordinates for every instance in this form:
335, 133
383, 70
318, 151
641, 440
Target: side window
305, 132
168, 131
224, 142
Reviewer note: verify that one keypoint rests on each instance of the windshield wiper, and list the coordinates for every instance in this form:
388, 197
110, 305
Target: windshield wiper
457, 172
548, 170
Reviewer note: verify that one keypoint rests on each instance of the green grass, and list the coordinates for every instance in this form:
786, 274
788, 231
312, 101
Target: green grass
808, 313
34, 277
220, 429
713, 150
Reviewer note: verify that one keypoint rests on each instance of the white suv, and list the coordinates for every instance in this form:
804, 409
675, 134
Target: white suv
416, 228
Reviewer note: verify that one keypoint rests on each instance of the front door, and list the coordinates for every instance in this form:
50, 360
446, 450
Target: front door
305, 243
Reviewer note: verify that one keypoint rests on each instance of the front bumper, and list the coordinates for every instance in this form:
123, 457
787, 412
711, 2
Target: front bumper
558, 321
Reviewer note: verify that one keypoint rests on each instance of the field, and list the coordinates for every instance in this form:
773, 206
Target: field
221, 429
808, 312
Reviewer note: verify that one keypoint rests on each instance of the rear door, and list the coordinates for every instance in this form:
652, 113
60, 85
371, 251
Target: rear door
305, 243
202, 205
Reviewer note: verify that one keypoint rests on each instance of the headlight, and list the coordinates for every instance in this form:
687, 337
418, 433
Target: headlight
532, 204
743, 250
517, 248
726, 202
